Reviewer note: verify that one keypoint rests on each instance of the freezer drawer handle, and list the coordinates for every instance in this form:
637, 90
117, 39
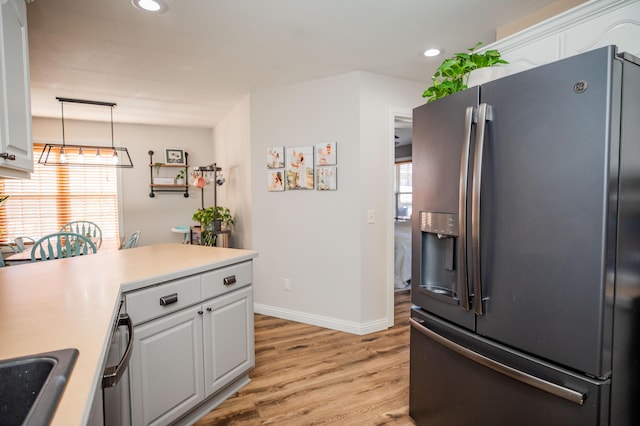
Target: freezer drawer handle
169, 299
552, 388
113, 374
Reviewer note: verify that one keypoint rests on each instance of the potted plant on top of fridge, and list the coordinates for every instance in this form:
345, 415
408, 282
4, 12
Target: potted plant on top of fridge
453, 74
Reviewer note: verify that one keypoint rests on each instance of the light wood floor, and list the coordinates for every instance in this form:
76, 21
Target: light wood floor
307, 375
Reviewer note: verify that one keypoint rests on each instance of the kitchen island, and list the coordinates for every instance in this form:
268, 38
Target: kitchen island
73, 303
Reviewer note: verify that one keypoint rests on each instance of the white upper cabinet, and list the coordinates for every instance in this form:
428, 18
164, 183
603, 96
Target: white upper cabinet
586, 27
16, 153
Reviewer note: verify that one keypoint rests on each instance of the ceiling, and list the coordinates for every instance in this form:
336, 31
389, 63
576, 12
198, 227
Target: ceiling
191, 65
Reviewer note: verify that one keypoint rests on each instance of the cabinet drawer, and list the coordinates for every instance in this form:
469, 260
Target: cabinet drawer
163, 299
226, 279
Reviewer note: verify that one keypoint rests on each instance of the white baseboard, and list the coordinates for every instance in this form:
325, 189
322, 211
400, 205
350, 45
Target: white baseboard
320, 321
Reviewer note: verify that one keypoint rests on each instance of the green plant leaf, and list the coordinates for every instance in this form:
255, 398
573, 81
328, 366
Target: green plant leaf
453, 73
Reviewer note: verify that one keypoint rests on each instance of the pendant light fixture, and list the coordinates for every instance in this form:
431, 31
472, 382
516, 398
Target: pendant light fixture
76, 155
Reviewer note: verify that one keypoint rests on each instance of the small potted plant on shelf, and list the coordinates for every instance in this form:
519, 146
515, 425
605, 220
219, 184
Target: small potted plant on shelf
180, 177
453, 74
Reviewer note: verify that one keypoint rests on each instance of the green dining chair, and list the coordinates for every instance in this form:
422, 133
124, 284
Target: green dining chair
86, 228
18, 244
61, 245
132, 241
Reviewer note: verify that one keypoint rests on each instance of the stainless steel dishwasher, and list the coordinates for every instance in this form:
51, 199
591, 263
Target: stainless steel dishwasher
115, 383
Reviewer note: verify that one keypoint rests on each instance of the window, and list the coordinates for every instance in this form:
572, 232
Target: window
403, 190
57, 195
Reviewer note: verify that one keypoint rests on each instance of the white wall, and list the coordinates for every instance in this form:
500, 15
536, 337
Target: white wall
232, 145
337, 263
378, 96
310, 237
153, 216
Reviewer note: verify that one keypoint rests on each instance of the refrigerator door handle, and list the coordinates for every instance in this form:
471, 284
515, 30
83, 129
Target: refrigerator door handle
560, 391
462, 210
484, 115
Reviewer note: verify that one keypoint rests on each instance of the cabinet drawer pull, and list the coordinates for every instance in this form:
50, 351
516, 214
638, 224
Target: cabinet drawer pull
7, 156
169, 299
229, 280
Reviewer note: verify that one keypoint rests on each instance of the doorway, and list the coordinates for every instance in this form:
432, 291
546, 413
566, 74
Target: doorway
400, 145
402, 193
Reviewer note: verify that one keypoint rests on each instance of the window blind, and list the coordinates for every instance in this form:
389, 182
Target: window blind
403, 189
56, 195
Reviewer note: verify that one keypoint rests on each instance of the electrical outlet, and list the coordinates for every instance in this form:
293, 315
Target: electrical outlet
371, 216
286, 286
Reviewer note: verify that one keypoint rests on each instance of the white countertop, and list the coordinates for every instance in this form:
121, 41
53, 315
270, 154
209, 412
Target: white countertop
72, 303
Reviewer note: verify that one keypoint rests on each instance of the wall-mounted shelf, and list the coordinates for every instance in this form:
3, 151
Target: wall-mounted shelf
169, 187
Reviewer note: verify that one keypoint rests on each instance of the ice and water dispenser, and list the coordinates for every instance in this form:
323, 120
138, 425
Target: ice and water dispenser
438, 269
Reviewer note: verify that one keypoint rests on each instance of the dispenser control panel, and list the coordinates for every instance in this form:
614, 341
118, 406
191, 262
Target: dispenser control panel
439, 223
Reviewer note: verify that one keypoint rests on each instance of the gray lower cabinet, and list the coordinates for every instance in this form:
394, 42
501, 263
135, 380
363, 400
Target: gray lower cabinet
166, 368
228, 338
191, 358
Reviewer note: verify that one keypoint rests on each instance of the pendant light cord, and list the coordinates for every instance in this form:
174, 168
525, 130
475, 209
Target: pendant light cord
62, 107
112, 146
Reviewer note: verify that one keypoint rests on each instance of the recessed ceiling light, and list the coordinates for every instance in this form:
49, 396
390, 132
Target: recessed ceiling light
154, 6
431, 52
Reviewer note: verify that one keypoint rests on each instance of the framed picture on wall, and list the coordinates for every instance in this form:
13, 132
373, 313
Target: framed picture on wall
299, 168
275, 180
174, 156
275, 157
327, 178
326, 154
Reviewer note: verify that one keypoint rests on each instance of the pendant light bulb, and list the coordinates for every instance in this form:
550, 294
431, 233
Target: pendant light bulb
114, 158
80, 155
63, 156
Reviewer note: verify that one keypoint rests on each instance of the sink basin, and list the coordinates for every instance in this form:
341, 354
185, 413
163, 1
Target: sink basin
31, 386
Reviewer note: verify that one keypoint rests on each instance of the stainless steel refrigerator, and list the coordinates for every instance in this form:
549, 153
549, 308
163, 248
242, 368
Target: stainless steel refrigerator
526, 248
